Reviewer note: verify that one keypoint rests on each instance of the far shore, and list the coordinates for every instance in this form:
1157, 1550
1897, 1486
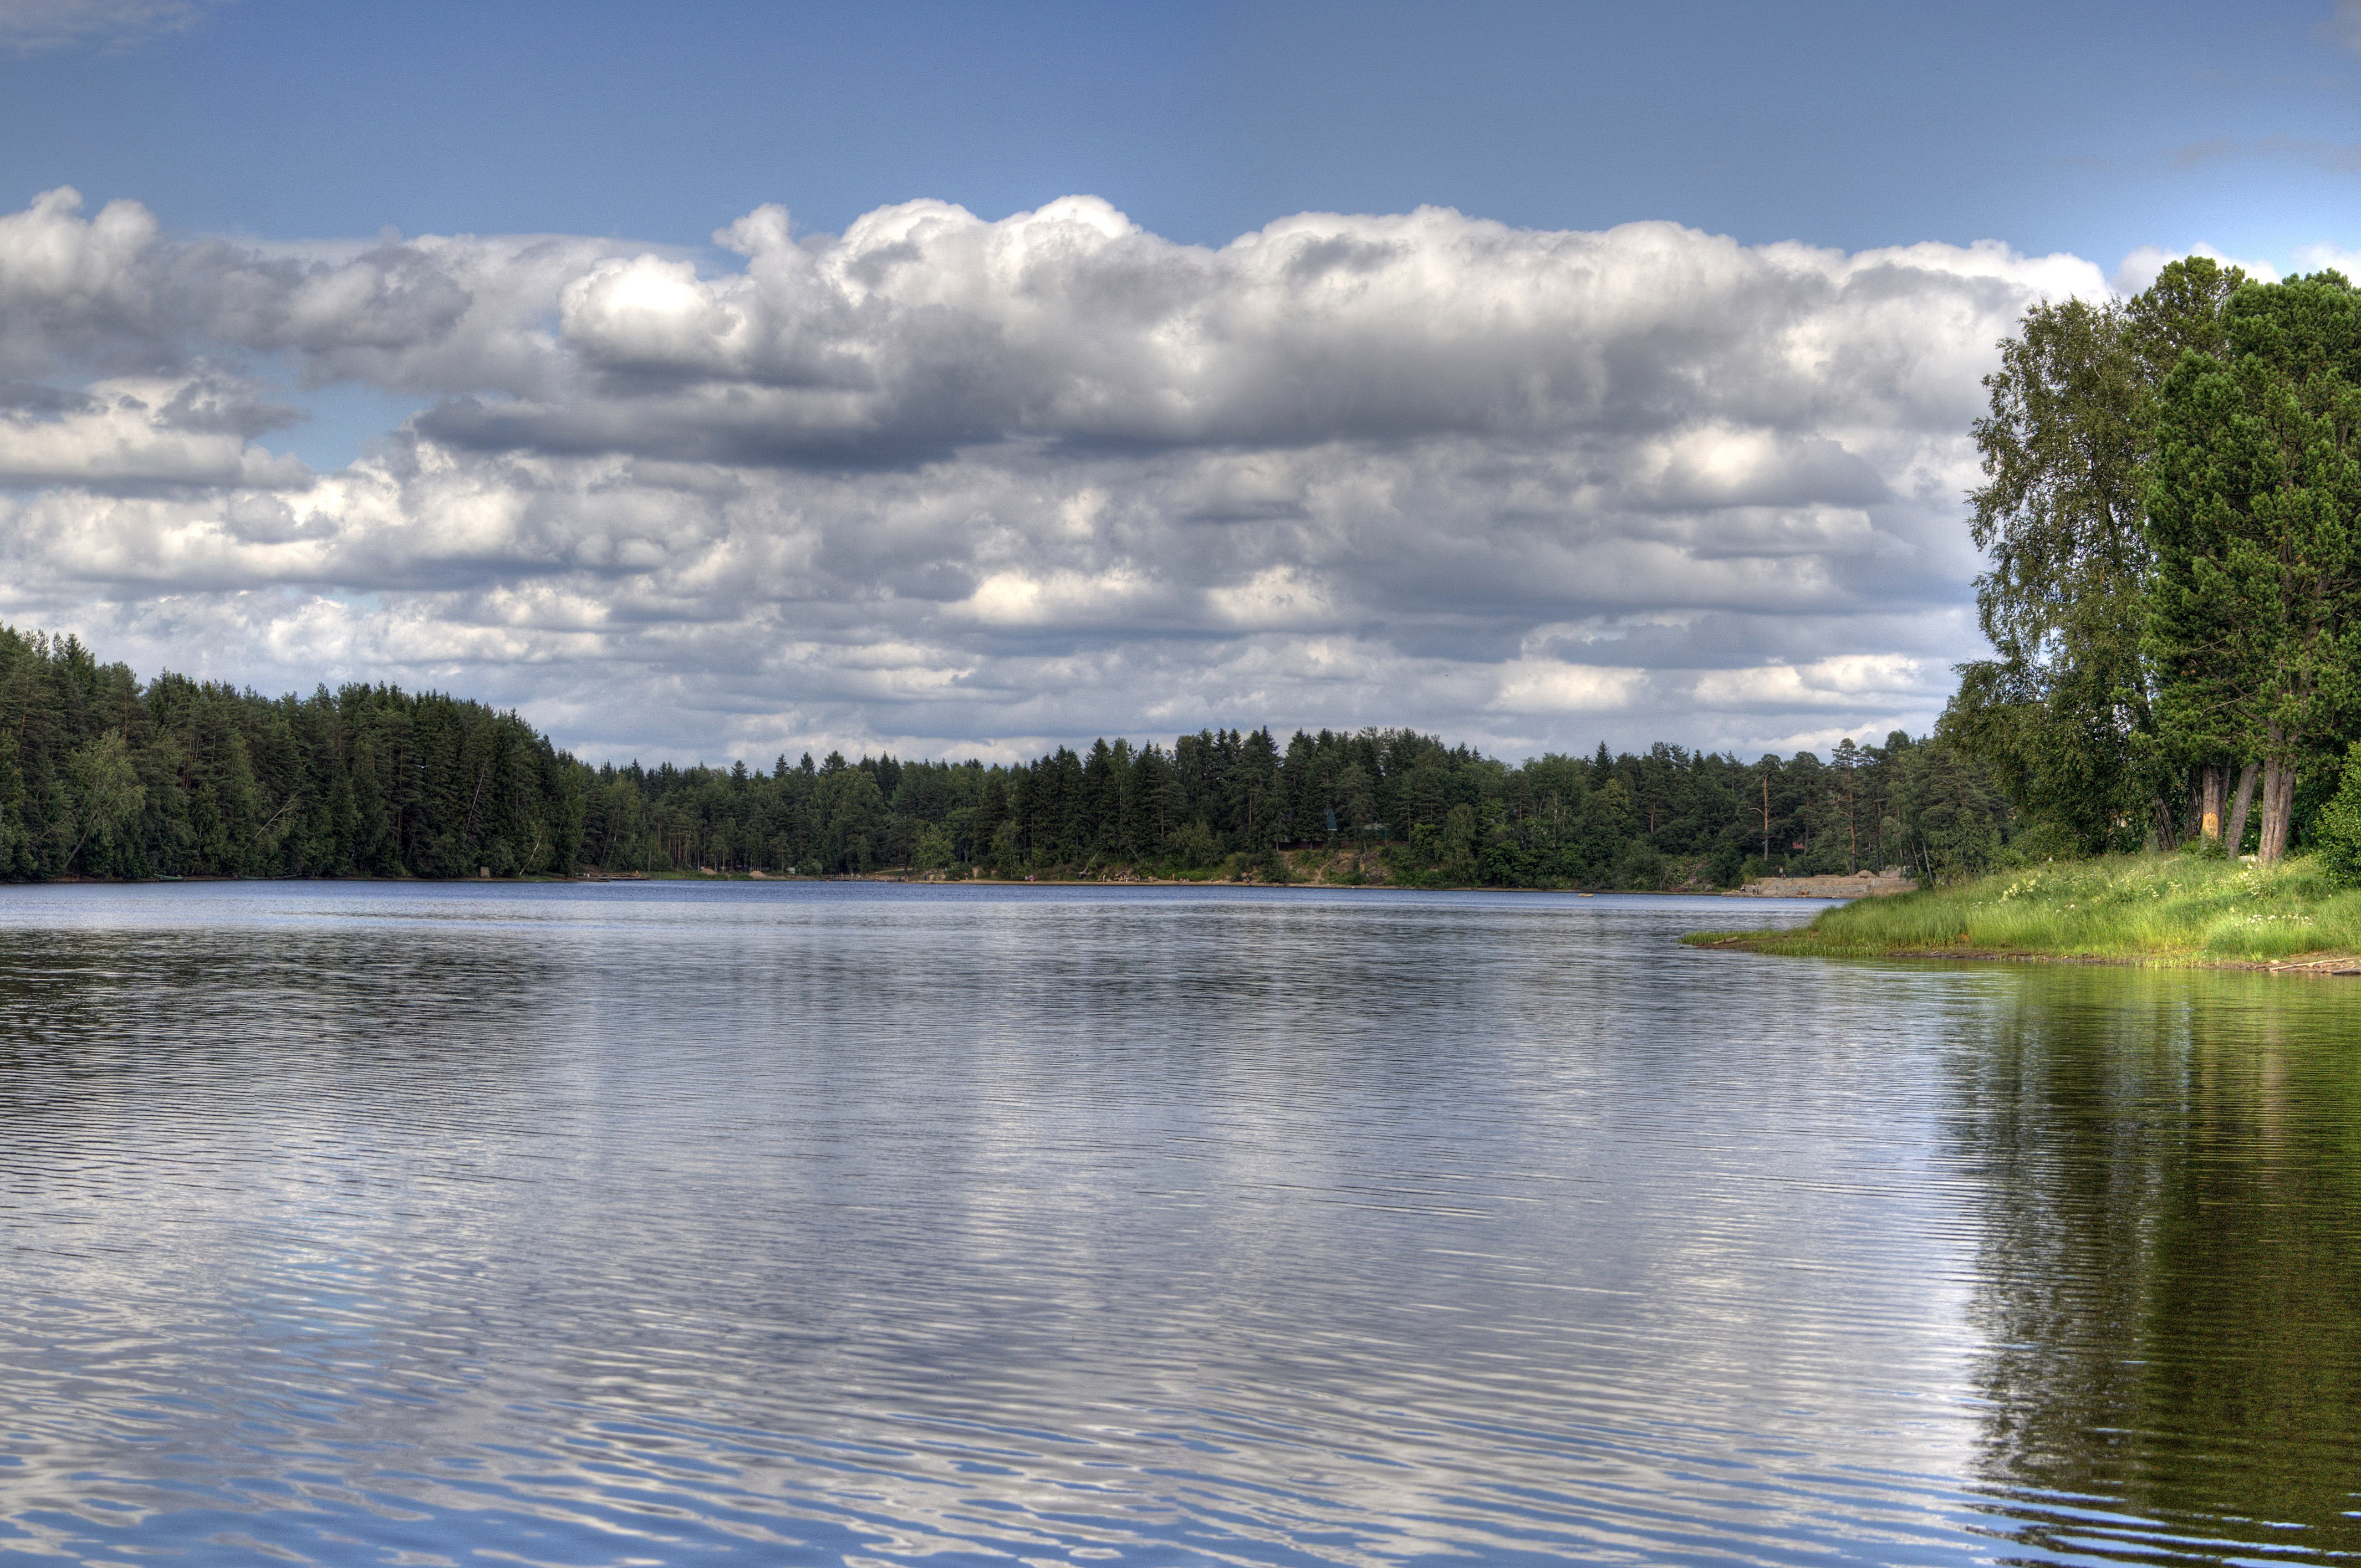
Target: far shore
922, 879
1371, 867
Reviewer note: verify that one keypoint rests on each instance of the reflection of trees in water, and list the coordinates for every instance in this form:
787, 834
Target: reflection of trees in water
2170, 1282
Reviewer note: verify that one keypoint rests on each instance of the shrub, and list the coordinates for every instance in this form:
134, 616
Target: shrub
2039, 843
1640, 867
2336, 833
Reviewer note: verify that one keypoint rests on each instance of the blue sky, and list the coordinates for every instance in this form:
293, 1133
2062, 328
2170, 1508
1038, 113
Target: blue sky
967, 378
2094, 128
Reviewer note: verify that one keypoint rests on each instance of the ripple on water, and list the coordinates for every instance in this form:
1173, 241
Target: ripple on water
661, 1223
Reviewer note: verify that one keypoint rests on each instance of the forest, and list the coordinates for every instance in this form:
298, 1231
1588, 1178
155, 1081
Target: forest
103, 776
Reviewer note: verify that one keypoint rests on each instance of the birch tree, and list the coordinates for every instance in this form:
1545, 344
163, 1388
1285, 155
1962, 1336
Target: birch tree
2063, 711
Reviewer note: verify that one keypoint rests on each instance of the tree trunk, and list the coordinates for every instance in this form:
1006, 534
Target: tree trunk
2235, 834
2278, 796
2209, 784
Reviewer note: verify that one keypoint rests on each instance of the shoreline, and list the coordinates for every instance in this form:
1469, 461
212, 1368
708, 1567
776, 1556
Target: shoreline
2147, 911
912, 879
2325, 966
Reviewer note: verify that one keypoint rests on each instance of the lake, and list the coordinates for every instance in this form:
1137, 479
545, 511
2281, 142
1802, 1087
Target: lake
861, 1223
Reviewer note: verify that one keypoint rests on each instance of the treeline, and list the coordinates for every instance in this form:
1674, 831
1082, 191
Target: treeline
2172, 510
103, 776
1230, 802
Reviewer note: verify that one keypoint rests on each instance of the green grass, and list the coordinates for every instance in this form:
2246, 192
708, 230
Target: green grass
2137, 908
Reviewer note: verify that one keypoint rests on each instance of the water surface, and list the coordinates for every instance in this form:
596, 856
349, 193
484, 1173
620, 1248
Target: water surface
658, 1224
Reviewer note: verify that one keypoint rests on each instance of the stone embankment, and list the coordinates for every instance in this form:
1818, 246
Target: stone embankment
1861, 884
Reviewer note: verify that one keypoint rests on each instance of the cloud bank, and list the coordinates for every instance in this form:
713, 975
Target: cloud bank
963, 486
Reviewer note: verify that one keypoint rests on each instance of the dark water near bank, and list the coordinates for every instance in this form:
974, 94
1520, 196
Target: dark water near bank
672, 1224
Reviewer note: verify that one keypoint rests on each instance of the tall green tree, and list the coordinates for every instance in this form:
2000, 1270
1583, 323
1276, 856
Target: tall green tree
2063, 712
2254, 516
105, 792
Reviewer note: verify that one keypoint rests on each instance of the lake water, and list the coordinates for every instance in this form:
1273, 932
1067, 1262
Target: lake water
854, 1223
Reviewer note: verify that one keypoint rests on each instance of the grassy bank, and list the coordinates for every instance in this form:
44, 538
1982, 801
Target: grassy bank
2163, 909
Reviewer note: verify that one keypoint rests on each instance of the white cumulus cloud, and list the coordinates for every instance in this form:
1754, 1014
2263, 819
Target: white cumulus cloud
959, 485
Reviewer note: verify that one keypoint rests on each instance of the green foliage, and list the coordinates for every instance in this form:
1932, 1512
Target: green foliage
2254, 622
104, 792
2039, 843
2203, 848
1192, 847
1221, 802
931, 849
2336, 837
101, 776
2172, 516
2056, 708
1005, 857
2063, 713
